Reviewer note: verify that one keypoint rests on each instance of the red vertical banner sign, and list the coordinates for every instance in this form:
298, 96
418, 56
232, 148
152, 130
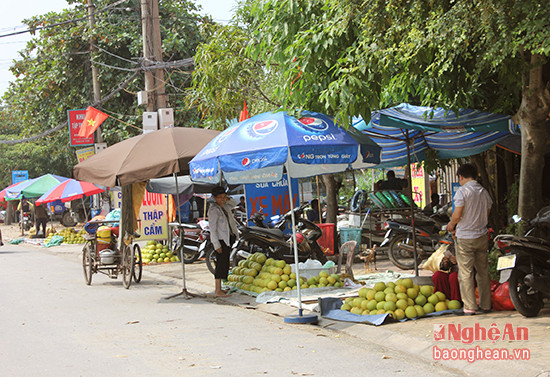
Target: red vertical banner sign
75, 121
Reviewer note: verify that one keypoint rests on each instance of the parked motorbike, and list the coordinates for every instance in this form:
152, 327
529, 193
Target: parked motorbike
526, 263
399, 237
275, 244
25, 222
194, 235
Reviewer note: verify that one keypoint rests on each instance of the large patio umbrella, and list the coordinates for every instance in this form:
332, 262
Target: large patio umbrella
139, 158
260, 148
68, 190
406, 132
4, 191
33, 188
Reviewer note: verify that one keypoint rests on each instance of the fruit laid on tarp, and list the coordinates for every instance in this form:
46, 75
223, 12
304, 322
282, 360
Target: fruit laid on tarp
400, 299
258, 274
70, 236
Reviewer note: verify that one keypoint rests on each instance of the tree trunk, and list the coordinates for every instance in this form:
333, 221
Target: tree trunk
10, 212
127, 214
534, 108
480, 162
332, 188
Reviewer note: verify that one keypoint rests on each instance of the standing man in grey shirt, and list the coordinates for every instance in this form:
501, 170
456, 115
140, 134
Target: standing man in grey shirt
469, 224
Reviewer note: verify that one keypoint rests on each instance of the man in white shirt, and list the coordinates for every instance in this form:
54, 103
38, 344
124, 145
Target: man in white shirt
470, 218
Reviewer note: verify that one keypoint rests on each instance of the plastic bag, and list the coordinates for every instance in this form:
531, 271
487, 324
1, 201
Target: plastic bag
500, 298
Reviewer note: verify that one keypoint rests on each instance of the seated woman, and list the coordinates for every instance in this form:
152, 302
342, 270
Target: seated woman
446, 280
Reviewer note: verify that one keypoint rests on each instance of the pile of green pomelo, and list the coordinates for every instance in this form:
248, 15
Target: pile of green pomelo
257, 273
400, 299
156, 252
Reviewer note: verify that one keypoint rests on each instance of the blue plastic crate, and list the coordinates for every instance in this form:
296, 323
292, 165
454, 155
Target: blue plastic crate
350, 234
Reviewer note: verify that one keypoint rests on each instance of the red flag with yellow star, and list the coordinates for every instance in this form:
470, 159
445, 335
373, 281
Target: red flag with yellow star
91, 122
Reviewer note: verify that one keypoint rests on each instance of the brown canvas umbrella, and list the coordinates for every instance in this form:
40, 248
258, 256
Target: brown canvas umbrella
153, 155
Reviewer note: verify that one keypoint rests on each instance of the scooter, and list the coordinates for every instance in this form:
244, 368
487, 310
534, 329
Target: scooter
526, 263
429, 232
194, 235
275, 244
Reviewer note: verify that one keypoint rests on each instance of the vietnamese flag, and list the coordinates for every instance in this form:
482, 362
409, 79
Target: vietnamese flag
91, 122
244, 113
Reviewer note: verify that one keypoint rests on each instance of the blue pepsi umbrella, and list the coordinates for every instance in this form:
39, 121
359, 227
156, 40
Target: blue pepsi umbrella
257, 149
260, 148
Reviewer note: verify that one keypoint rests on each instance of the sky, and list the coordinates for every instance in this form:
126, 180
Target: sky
11, 21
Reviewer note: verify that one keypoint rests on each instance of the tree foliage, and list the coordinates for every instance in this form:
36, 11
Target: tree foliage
53, 75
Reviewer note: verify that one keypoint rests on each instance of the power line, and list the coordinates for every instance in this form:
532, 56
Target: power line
63, 22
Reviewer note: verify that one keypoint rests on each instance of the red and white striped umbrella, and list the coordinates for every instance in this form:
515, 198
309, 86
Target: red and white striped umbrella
69, 190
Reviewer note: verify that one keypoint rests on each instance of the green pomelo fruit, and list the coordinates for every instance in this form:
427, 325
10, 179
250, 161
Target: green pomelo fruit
399, 314
428, 308
380, 311
410, 302
427, 290
287, 289
278, 270
313, 286
380, 296
453, 304
371, 304
323, 280
370, 294
408, 283
421, 300
391, 297
433, 299
287, 269
272, 285
440, 306
276, 278
390, 284
285, 277
380, 305
283, 284
331, 280
355, 310
363, 292
323, 274
402, 304
291, 283
357, 301
373, 312
380, 286
345, 307
388, 290
338, 284
277, 290
412, 293
389, 305
365, 312
410, 312
441, 296
280, 263
402, 296
419, 310
311, 281
399, 288
365, 304
292, 275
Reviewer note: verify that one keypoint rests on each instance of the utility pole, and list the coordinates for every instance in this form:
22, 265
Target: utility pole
95, 70
152, 53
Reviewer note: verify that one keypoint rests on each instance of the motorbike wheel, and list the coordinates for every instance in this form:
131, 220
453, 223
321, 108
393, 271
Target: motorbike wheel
138, 264
210, 255
189, 256
67, 220
320, 256
403, 259
528, 301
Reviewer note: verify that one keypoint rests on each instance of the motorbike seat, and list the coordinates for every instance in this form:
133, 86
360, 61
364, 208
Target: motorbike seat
273, 232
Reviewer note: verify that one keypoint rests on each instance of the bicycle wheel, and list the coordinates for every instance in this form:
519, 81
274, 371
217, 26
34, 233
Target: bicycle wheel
138, 264
127, 266
87, 262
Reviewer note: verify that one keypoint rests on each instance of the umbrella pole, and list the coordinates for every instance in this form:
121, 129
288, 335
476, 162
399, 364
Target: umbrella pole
412, 204
300, 318
184, 291
84, 206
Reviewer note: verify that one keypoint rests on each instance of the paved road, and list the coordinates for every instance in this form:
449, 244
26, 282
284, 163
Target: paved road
55, 325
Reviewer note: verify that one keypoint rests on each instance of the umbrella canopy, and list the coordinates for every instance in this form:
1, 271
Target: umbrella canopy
152, 155
33, 188
68, 190
452, 135
257, 149
184, 185
4, 191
